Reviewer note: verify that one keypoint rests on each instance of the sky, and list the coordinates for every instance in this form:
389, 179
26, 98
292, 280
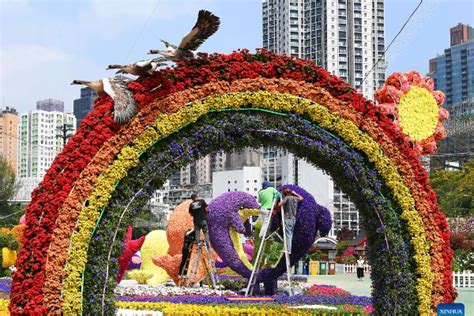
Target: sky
45, 44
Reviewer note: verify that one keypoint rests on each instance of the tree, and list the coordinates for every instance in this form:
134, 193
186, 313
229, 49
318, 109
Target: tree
8, 185
9, 214
345, 234
455, 190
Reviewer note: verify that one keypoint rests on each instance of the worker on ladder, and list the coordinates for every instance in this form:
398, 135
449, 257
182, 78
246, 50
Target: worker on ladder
198, 210
266, 197
290, 205
288, 208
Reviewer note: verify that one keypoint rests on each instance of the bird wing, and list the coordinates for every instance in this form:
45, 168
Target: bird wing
124, 103
206, 25
144, 63
168, 44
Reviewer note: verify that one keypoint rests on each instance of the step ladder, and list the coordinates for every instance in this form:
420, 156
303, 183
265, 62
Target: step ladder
203, 257
259, 258
183, 273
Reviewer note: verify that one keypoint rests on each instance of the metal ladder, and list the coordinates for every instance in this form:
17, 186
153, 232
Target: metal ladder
207, 262
258, 259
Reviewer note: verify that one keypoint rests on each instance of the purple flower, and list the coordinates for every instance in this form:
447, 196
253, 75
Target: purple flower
224, 214
278, 299
5, 285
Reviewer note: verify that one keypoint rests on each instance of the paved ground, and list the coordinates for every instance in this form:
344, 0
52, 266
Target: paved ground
350, 283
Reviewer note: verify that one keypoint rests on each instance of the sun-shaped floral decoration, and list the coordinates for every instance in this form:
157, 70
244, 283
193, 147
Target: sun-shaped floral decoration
411, 101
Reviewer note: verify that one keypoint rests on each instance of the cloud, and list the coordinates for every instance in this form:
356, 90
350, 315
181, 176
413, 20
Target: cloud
111, 17
33, 72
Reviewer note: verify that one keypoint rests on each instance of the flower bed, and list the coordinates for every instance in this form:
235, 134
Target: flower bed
331, 299
325, 290
246, 309
5, 285
277, 299
173, 300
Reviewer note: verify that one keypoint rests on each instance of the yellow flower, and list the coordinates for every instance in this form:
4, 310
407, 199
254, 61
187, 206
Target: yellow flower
418, 113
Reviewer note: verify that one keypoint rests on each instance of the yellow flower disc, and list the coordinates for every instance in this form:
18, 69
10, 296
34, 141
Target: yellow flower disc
418, 113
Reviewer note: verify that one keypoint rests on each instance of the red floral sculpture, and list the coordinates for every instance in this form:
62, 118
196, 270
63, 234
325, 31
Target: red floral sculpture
129, 249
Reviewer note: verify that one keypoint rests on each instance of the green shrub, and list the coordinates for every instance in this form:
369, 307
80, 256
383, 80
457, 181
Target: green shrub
341, 246
234, 285
349, 260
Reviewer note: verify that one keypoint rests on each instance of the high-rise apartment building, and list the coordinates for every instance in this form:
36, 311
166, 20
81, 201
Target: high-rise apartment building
246, 157
245, 179
194, 177
84, 104
453, 73
198, 175
40, 135
461, 33
346, 37
271, 163
9, 136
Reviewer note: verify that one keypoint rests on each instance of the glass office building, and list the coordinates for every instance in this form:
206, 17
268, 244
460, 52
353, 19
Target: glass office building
453, 73
84, 104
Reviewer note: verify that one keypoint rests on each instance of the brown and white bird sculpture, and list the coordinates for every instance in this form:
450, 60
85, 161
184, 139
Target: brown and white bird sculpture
140, 68
206, 25
116, 87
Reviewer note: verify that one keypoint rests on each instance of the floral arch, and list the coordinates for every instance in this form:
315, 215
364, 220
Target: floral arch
79, 213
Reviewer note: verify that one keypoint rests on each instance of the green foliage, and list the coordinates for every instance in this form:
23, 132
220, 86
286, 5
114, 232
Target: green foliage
463, 260
9, 214
10, 242
233, 285
256, 238
274, 253
341, 246
8, 185
349, 260
455, 190
316, 255
7, 240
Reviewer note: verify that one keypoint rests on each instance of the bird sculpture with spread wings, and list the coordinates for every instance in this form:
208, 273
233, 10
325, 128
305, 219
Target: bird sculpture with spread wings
206, 25
116, 87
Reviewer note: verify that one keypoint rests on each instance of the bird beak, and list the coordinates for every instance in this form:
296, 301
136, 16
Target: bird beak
152, 51
108, 67
73, 82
